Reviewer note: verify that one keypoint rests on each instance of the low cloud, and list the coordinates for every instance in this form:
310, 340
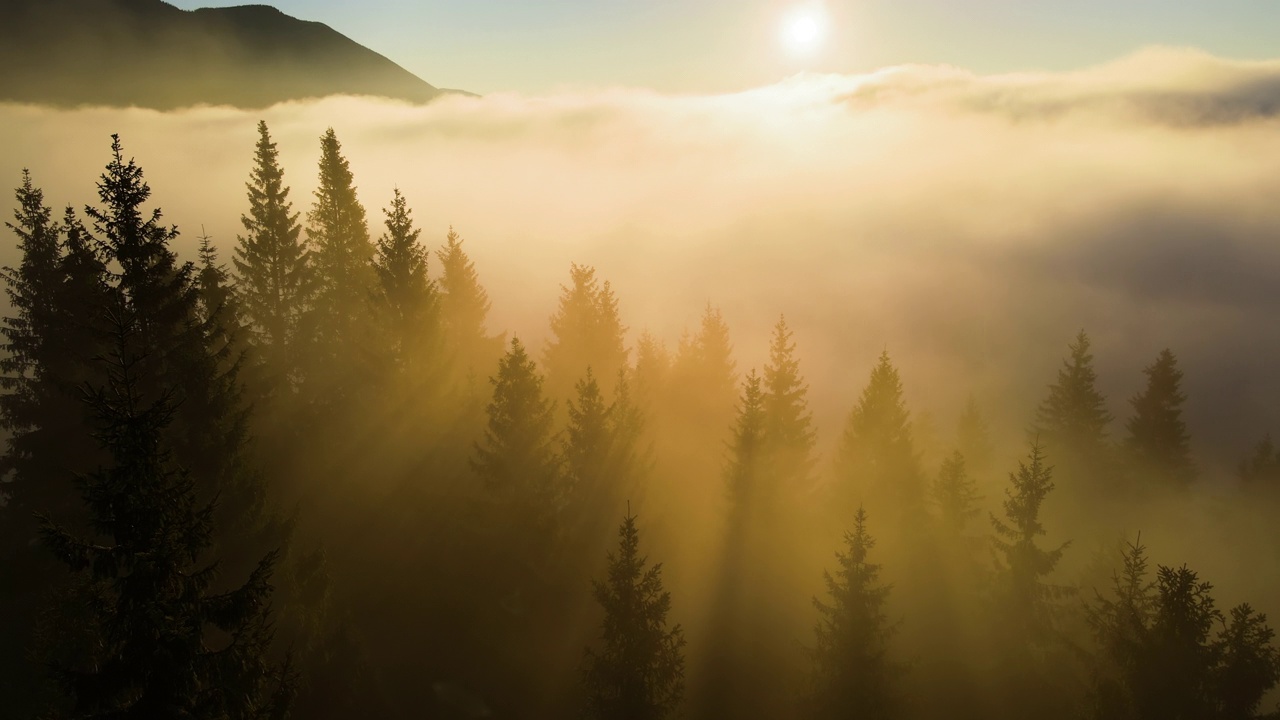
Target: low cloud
969, 224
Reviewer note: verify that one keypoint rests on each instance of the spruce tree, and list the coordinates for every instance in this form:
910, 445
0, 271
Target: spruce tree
638, 673
1261, 472
1160, 658
152, 650
1027, 601
788, 424
1158, 441
342, 258
1072, 422
517, 458
42, 368
464, 311
180, 354
273, 279
955, 498
586, 331
599, 449
406, 295
704, 378
651, 373
877, 456
853, 674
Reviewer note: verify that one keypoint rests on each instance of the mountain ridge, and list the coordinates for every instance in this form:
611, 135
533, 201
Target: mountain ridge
148, 53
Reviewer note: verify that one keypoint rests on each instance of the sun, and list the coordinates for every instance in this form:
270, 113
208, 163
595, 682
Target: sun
803, 30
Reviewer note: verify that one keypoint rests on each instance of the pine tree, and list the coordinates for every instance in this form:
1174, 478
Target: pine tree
652, 372
151, 652
1072, 421
1159, 657
586, 331
216, 304
406, 295
853, 673
1248, 664
788, 424
40, 408
638, 674
464, 310
1262, 470
955, 498
1028, 601
342, 257
747, 451
877, 456
1158, 441
180, 354
273, 280
1120, 622
517, 457
704, 376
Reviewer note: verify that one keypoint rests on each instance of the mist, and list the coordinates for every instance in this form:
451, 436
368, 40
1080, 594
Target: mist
967, 225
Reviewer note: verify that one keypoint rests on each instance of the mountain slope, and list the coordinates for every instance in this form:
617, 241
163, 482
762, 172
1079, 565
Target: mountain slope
150, 54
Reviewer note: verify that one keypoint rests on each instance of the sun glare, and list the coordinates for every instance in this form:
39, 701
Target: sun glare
803, 30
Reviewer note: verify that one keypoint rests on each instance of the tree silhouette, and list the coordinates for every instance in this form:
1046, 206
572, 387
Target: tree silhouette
877, 456
406, 296
955, 497
517, 457
342, 256
788, 424
638, 673
1158, 441
152, 650
586, 332
464, 310
1022, 565
853, 674
273, 280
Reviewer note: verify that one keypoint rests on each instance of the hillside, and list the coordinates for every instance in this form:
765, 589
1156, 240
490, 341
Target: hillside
148, 53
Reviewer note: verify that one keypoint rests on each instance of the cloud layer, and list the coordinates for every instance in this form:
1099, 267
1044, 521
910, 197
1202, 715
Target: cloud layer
969, 224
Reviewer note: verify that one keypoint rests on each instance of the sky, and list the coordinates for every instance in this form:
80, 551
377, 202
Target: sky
726, 45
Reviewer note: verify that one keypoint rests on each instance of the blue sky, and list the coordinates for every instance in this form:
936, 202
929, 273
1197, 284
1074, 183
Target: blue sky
715, 45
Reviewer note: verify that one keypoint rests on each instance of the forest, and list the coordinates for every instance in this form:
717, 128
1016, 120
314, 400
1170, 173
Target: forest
302, 474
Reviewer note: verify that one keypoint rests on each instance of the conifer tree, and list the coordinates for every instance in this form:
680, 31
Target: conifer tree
652, 372
1158, 441
406, 295
1159, 656
638, 674
704, 375
151, 651
955, 497
747, 450
1072, 421
1023, 593
877, 455
215, 288
517, 458
853, 674
586, 331
42, 368
464, 310
1262, 470
273, 280
342, 257
788, 424
179, 354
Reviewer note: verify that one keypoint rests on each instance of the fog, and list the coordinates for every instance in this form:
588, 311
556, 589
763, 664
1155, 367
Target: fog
968, 225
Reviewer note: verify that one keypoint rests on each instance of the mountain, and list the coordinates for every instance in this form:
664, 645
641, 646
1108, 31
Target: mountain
148, 53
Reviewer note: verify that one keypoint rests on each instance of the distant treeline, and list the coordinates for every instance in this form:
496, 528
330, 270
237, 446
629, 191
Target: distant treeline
316, 483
